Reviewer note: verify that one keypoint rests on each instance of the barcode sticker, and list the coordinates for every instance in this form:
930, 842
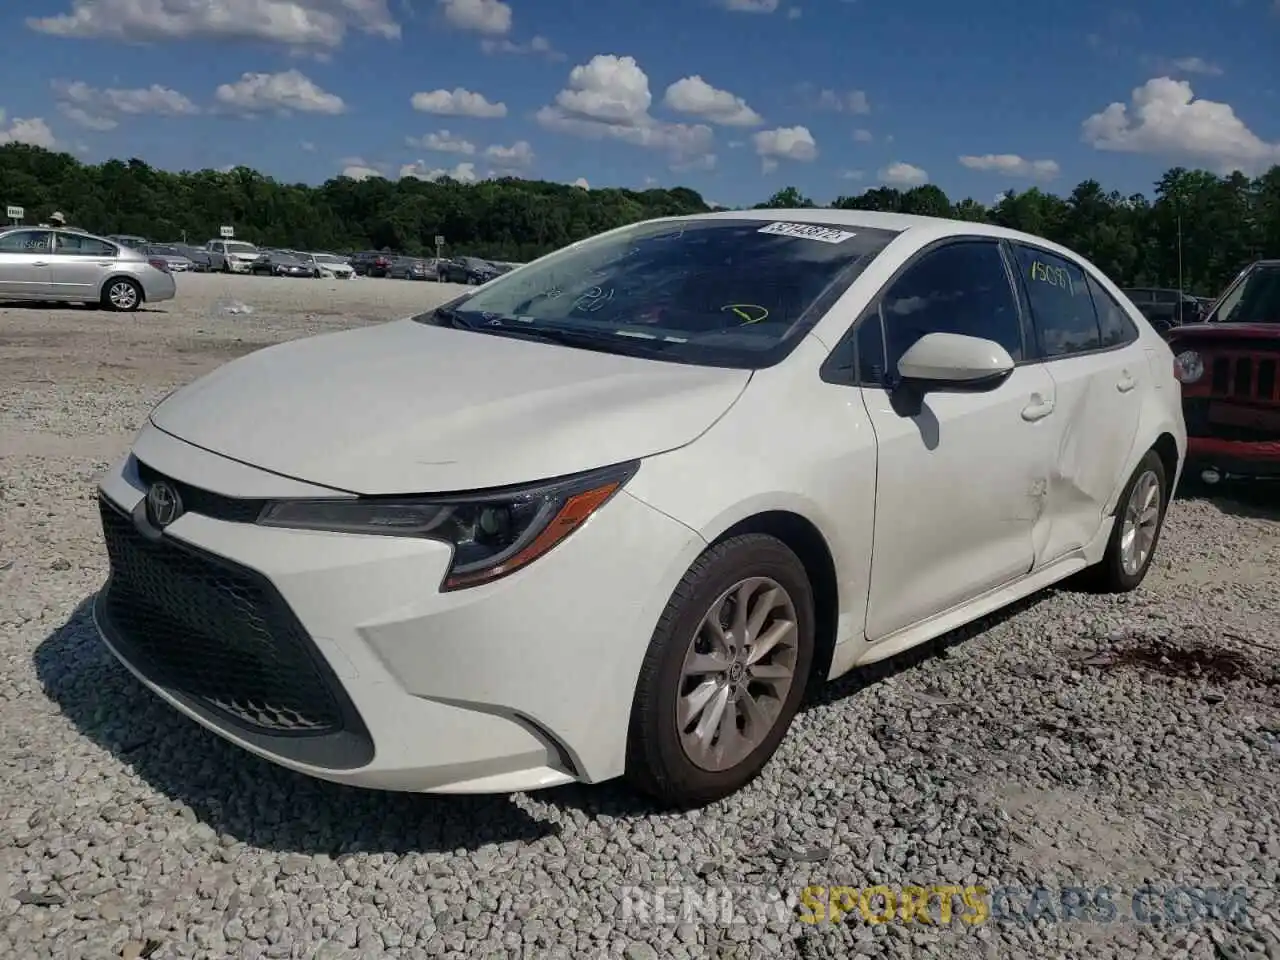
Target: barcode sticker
808, 231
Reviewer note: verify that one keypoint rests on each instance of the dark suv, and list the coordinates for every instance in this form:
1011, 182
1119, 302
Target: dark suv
470, 270
372, 263
1165, 308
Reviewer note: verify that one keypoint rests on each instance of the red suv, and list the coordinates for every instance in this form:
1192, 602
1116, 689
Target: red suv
1230, 386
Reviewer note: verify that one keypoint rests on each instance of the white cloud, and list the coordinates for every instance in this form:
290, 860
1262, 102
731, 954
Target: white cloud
1012, 165
307, 146
750, 6
862, 135
784, 143
1197, 65
1165, 119
582, 182
32, 131
519, 154
491, 17
851, 174
307, 23
852, 101
458, 102
899, 174
102, 109
793, 13
696, 97
609, 98
442, 141
539, 46
357, 169
464, 172
287, 92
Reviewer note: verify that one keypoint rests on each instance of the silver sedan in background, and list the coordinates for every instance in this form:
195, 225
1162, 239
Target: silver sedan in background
37, 263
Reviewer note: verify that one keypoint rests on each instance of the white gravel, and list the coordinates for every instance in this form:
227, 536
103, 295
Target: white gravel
1075, 742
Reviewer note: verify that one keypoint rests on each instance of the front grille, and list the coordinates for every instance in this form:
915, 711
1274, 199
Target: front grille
1244, 376
213, 632
205, 502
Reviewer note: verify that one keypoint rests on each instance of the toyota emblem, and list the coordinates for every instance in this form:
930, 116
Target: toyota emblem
163, 504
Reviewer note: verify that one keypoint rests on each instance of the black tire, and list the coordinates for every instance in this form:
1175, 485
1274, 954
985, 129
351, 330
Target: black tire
1109, 575
657, 764
113, 299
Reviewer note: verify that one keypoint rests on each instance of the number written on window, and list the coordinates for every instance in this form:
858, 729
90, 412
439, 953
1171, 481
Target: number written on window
1042, 272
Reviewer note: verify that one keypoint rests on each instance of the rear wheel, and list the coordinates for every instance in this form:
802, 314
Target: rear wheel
123, 296
1140, 513
725, 673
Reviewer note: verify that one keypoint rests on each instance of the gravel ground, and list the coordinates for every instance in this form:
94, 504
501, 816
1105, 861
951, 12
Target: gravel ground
1075, 742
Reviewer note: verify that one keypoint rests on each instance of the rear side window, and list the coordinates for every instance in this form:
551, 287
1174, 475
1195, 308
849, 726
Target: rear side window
1061, 303
71, 245
1114, 324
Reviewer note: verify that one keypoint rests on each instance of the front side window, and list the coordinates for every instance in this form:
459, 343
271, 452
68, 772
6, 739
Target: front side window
958, 288
720, 292
1061, 303
241, 248
25, 241
1255, 298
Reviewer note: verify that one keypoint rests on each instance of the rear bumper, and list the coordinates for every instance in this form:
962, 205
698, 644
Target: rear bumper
160, 287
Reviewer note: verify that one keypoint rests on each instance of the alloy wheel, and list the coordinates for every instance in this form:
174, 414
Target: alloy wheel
1140, 523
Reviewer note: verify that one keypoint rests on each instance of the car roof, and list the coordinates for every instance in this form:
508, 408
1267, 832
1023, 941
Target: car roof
930, 227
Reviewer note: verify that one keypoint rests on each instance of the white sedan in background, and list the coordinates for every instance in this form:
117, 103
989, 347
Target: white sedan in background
615, 511
329, 266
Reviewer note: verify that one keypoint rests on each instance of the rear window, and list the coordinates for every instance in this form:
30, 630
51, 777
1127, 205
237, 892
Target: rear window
1255, 298
720, 292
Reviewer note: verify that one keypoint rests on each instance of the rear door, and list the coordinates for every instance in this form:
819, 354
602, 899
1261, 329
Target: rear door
25, 272
80, 265
1090, 349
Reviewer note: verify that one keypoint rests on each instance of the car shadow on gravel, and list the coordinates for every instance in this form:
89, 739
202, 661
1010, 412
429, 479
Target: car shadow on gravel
240, 795
47, 305
1253, 499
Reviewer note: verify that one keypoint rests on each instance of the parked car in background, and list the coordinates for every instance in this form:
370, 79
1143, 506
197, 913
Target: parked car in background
127, 240
231, 256
470, 270
178, 261
77, 267
410, 268
281, 263
201, 262
1229, 366
452, 506
372, 263
328, 266
1165, 308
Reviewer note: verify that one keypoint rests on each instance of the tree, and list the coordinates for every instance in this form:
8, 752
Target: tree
1222, 223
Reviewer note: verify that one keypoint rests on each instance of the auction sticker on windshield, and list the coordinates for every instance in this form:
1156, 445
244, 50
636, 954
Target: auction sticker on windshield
807, 231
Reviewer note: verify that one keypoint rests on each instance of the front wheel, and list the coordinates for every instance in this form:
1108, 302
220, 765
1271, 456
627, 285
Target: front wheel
1140, 514
725, 673
122, 296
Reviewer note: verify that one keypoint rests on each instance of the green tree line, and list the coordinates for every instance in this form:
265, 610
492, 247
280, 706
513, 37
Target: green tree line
1224, 222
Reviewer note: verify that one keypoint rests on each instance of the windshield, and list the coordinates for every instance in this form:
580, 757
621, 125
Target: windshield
327, 258
1255, 298
165, 250
718, 292
241, 248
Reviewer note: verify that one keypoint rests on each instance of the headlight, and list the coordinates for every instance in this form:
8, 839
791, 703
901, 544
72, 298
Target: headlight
1188, 366
492, 533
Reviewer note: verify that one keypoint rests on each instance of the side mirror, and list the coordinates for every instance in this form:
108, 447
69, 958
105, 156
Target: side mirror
952, 361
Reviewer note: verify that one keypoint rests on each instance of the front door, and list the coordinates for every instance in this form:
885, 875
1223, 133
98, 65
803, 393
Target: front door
25, 273
960, 481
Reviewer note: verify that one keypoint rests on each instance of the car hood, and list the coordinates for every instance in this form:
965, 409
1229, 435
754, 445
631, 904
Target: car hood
1226, 331
404, 407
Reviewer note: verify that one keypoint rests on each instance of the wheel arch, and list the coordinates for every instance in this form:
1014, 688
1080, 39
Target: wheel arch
802, 536
1166, 448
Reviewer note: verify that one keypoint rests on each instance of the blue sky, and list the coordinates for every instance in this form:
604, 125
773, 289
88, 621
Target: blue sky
734, 98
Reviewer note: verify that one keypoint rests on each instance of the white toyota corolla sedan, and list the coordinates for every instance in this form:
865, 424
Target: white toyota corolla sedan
612, 512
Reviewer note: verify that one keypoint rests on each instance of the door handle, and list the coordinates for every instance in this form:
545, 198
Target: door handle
106, 263
40, 263
1126, 383
1037, 410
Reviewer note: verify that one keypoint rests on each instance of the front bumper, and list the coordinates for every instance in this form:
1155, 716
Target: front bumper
1240, 457
364, 673
239, 266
